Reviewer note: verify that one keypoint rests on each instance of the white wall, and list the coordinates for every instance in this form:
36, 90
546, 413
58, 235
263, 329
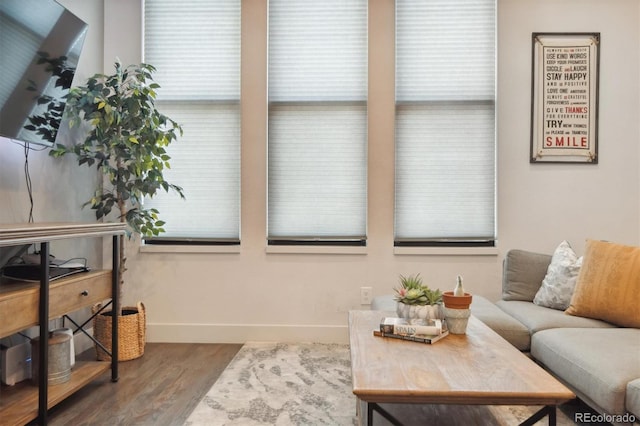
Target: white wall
253, 294
540, 203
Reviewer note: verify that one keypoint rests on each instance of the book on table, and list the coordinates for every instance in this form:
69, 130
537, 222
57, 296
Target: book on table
415, 330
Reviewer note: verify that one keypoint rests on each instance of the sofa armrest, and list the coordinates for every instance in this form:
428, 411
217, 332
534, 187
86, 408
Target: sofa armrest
522, 275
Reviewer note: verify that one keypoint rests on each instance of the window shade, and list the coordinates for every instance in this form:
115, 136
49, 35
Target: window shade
317, 119
22, 49
445, 120
195, 46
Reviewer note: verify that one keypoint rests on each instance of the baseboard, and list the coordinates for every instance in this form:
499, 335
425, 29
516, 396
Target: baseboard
241, 333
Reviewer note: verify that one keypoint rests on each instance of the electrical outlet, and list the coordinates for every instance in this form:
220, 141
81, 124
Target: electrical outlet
366, 295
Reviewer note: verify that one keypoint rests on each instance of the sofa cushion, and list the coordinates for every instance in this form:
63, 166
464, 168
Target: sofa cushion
522, 275
633, 398
590, 364
558, 285
608, 284
537, 318
499, 321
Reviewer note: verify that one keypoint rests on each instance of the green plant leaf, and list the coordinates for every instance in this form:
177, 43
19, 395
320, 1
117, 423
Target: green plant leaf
126, 141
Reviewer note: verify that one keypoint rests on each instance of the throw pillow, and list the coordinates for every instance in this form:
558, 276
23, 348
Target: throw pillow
557, 286
523, 272
608, 284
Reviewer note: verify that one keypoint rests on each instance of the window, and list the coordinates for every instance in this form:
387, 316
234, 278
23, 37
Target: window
317, 121
445, 121
195, 46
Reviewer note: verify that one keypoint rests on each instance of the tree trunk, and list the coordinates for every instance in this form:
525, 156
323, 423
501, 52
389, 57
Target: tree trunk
122, 267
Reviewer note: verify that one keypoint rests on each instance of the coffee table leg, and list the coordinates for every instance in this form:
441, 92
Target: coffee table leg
372, 406
548, 411
552, 415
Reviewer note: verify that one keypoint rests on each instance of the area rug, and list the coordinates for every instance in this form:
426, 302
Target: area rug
281, 384
287, 384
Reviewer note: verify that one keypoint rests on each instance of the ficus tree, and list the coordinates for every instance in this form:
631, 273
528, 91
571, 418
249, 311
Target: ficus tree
126, 139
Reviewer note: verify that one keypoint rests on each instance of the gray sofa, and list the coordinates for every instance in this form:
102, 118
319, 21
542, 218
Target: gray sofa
599, 361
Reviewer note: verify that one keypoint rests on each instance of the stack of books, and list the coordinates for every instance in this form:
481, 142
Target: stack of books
422, 331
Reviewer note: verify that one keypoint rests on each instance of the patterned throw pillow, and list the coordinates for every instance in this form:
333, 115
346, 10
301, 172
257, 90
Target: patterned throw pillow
558, 285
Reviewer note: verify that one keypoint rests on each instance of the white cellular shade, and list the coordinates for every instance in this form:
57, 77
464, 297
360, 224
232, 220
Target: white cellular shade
317, 172
445, 50
317, 50
445, 181
317, 119
22, 49
195, 46
445, 120
206, 163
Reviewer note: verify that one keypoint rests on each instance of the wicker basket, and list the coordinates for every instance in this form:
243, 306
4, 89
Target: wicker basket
131, 332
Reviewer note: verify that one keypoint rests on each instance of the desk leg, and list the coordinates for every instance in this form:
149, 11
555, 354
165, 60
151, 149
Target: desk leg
115, 298
43, 347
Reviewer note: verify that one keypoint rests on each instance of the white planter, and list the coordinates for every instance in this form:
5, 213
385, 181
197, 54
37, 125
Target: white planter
420, 311
457, 320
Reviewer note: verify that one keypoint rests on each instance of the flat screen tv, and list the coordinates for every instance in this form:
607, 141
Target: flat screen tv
40, 44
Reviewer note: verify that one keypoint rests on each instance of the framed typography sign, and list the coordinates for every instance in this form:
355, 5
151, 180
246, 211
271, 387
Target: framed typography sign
564, 97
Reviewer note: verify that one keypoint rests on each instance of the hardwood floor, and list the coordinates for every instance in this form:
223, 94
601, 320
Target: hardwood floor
161, 388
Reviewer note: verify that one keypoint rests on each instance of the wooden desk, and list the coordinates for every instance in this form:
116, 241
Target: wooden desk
479, 368
24, 305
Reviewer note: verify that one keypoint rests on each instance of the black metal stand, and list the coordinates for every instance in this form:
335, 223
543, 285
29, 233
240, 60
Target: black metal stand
115, 298
372, 406
81, 327
43, 319
548, 410
43, 348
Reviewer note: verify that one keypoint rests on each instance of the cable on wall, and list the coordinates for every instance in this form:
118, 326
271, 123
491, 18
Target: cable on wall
27, 174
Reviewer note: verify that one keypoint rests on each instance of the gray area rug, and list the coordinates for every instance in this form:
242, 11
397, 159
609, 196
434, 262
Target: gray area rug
281, 384
310, 384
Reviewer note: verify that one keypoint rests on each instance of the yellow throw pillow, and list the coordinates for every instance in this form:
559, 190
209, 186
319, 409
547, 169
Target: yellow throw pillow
608, 286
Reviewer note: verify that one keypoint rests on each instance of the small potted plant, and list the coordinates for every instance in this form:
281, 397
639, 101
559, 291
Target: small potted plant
456, 308
416, 300
458, 298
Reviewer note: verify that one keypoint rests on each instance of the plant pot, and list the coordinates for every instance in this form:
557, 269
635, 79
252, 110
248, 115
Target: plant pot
132, 325
420, 311
456, 302
457, 320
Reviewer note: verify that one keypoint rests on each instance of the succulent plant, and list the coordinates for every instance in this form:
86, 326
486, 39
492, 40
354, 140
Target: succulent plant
413, 292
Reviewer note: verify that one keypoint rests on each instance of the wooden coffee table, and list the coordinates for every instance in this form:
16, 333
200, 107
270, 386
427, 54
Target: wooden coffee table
479, 368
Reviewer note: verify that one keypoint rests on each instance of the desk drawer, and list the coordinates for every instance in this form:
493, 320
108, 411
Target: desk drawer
78, 292
18, 307
19, 301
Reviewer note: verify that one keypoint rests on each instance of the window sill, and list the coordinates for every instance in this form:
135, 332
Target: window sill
152, 248
304, 249
446, 251
347, 250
